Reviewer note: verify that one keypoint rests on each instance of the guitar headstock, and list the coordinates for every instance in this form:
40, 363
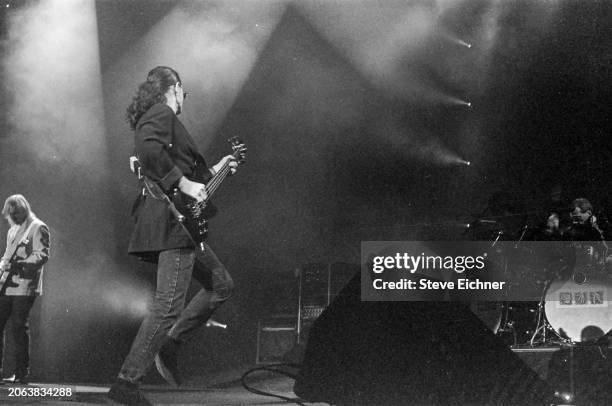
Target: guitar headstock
239, 149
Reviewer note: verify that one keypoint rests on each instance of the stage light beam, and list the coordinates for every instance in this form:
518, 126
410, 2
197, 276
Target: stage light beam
465, 44
460, 161
461, 42
53, 60
458, 101
224, 45
452, 38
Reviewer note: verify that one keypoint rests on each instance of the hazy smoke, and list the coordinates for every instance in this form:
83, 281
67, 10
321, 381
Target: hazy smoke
422, 146
52, 73
212, 44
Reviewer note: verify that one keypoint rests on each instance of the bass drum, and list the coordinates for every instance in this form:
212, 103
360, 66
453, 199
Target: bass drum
580, 308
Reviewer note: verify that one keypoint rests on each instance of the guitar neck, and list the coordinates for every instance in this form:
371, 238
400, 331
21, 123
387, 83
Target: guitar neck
238, 153
216, 180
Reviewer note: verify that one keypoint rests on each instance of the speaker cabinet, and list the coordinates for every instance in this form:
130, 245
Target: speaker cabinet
411, 353
276, 336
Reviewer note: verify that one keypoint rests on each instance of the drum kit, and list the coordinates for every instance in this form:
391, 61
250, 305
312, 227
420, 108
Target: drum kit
565, 297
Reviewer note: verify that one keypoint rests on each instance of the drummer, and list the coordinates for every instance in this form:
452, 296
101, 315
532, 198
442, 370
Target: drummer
584, 226
588, 245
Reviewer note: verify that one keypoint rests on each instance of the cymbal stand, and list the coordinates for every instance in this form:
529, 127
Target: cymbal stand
521, 236
542, 323
499, 234
506, 324
540, 326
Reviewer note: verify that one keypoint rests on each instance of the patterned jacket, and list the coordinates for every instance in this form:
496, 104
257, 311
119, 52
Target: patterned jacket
31, 254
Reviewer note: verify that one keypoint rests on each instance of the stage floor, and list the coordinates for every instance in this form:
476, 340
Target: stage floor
587, 370
231, 394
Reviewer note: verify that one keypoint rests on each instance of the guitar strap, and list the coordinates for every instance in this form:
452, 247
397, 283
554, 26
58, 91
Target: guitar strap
157, 193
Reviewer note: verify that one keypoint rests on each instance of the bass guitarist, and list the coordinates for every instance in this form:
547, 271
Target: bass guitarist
21, 266
169, 159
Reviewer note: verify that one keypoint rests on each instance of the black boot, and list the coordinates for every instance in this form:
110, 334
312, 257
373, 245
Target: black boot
166, 362
127, 393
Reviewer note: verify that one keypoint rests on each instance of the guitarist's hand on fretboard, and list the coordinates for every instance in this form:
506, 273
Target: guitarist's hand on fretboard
229, 160
192, 189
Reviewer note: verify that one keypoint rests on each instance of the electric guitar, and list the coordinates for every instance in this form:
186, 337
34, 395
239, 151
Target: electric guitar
6, 276
188, 211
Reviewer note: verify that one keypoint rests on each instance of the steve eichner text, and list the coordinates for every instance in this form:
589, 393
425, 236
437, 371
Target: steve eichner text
424, 284
413, 263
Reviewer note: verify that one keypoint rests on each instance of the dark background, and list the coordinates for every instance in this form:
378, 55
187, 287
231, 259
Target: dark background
335, 158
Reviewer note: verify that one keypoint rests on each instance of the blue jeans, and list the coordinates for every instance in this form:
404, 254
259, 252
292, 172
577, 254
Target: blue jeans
168, 317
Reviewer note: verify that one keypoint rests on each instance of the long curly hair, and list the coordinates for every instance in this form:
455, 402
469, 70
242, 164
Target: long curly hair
151, 92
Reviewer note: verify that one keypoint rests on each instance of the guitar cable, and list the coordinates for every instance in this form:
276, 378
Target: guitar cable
276, 369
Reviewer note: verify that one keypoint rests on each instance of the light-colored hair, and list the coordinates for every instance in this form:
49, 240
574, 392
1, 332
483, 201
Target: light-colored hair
17, 208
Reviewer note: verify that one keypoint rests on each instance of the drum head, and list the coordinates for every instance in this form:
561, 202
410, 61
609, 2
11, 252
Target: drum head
580, 310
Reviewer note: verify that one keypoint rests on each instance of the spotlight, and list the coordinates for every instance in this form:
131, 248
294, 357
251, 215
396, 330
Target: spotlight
566, 396
461, 42
460, 161
459, 102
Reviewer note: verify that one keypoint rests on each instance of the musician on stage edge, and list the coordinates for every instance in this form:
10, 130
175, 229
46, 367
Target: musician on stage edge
168, 156
27, 250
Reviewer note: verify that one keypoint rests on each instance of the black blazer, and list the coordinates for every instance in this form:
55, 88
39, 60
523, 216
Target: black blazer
166, 152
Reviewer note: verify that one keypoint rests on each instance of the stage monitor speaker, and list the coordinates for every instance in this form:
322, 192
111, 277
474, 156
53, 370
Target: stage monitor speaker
411, 353
579, 373
276, 336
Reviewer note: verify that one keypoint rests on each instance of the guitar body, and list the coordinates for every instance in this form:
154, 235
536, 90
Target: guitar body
6, 280
194, 216
6, 277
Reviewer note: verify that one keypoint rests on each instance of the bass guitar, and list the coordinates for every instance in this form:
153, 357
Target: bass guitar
188, 211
